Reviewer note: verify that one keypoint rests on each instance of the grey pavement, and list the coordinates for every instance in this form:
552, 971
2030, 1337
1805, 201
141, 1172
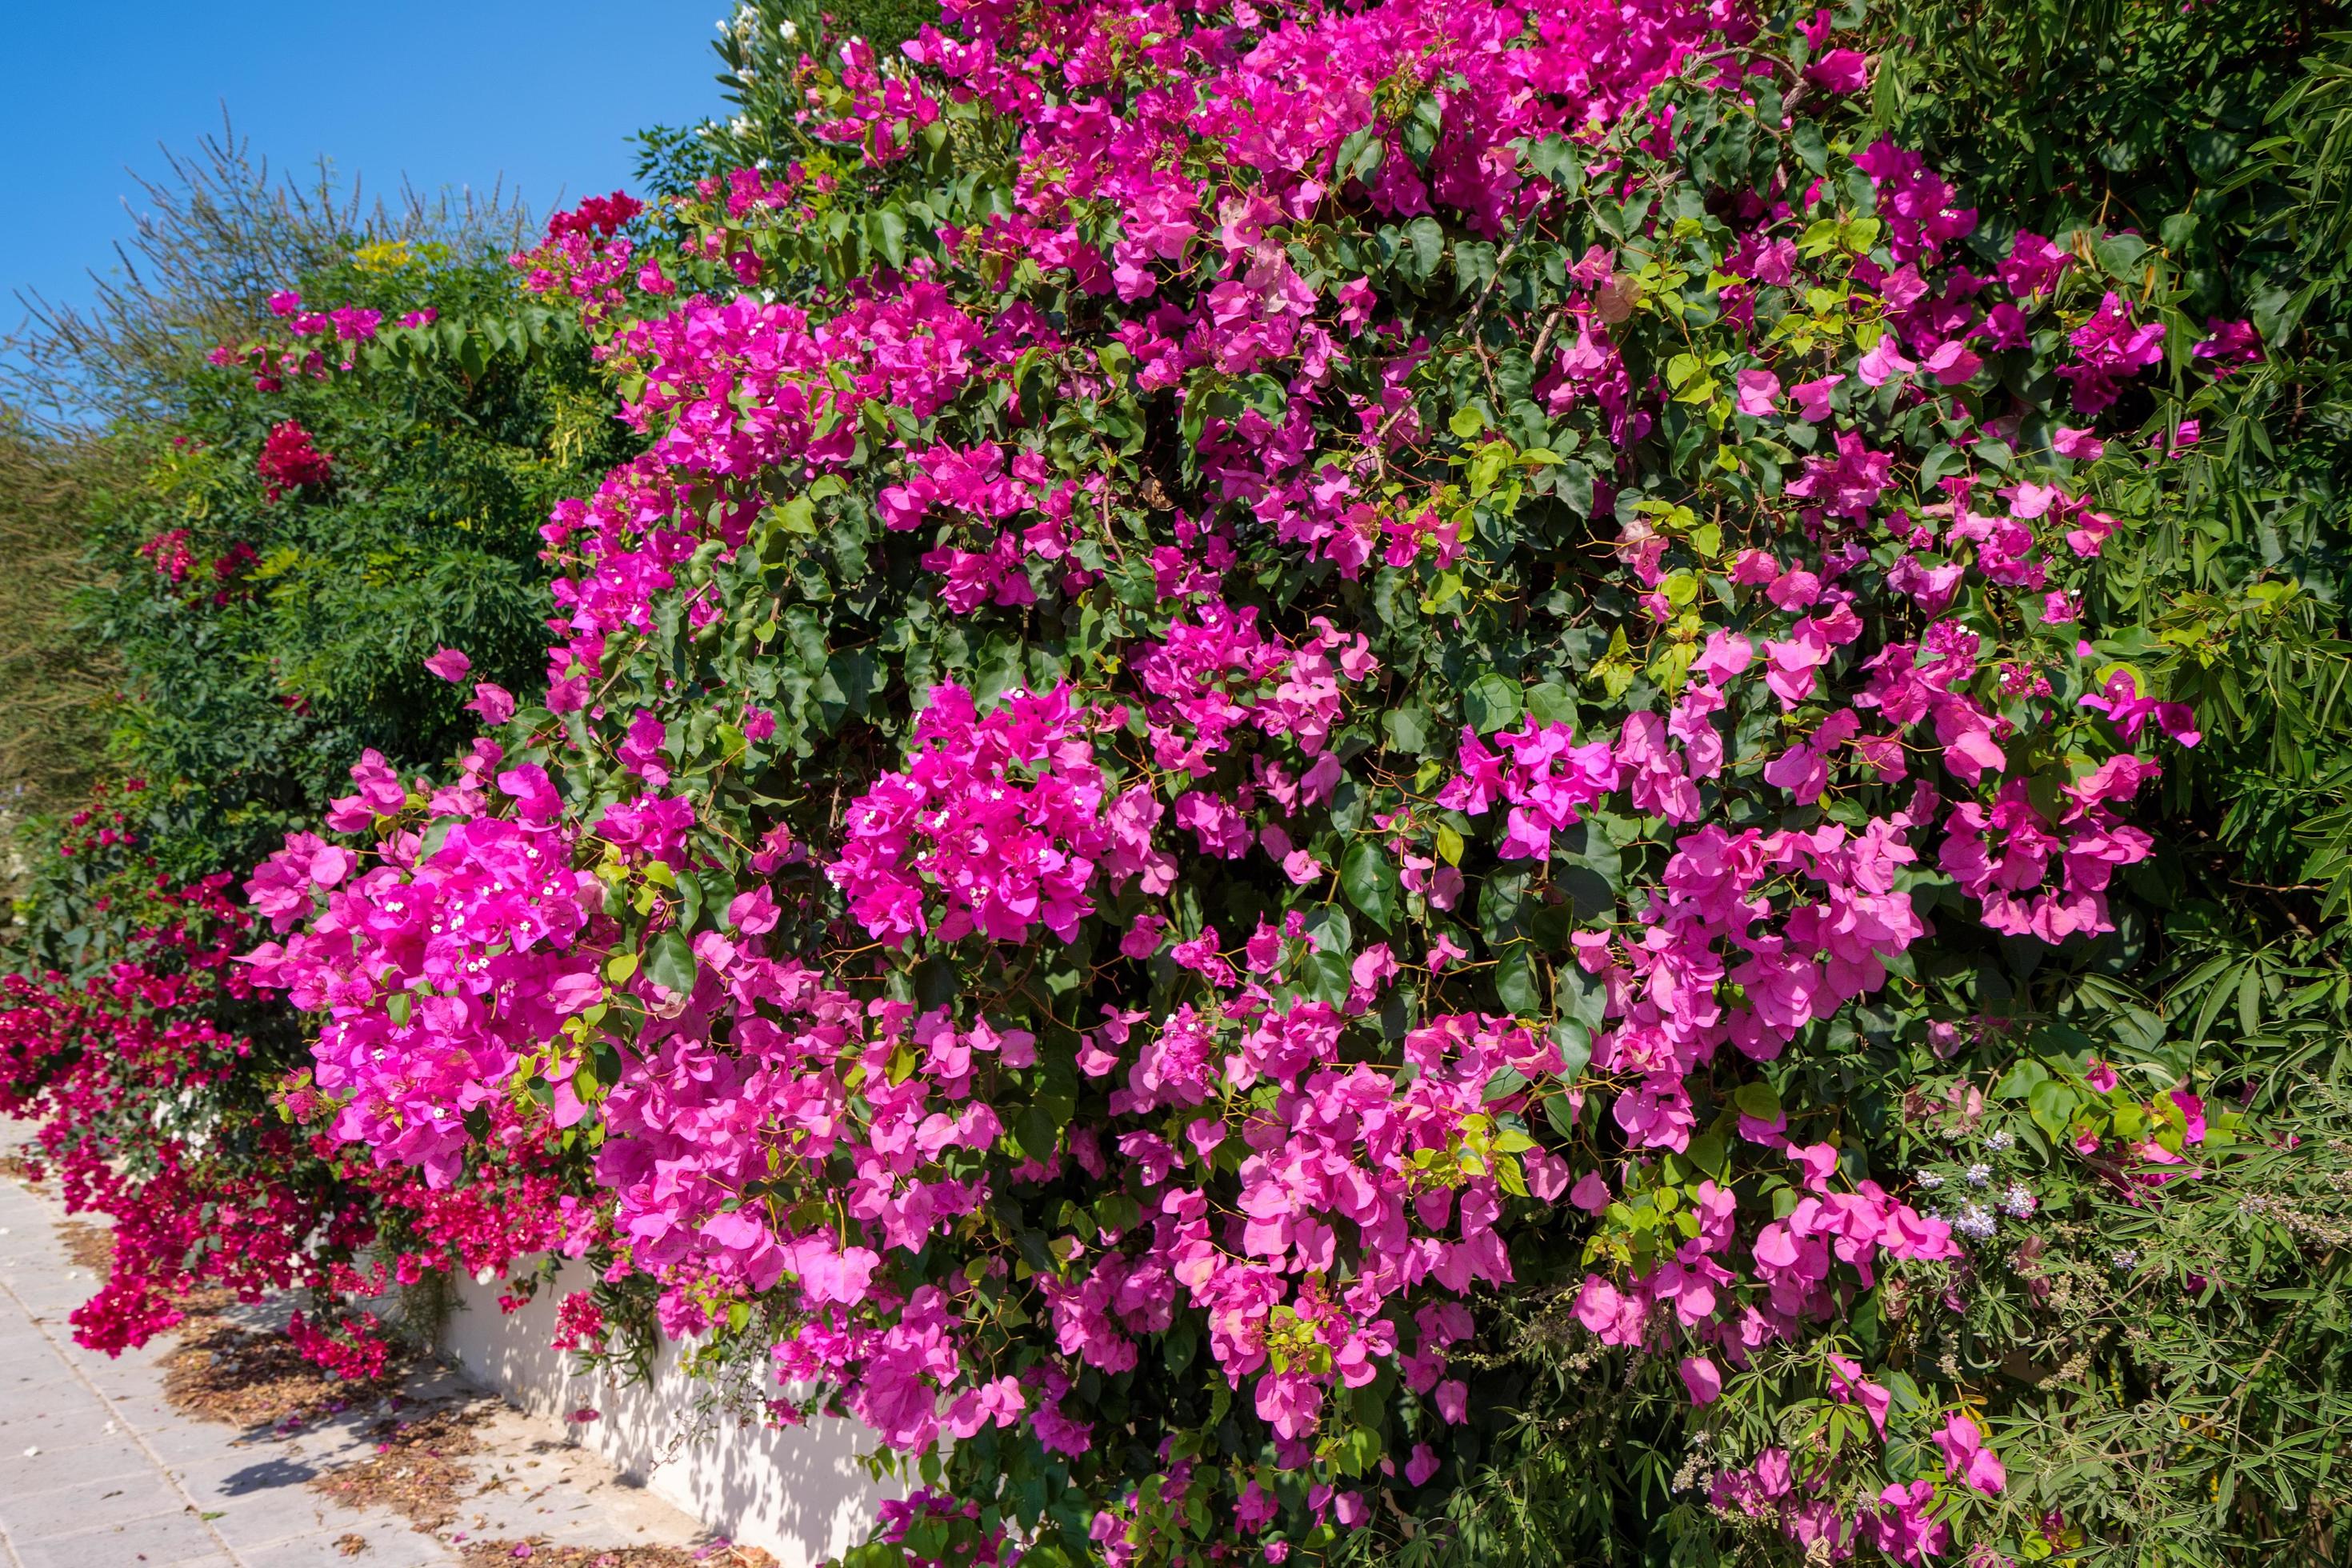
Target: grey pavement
97, 1471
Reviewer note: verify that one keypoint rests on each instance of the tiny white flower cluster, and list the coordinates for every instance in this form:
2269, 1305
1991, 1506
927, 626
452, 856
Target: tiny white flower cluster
1976, 1222
2001, 1142
1929, 1180
1978, 1174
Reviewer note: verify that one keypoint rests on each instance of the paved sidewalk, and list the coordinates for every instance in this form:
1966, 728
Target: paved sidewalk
97, 1471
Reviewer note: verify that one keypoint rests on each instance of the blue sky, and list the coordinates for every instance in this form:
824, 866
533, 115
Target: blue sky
447, 93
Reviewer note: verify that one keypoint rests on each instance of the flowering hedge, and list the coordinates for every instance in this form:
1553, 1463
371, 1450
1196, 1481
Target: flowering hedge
1330, 757
1302, 673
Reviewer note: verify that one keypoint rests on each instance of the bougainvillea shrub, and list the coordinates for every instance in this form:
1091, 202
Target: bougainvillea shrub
124, 1071
154, 1069
1320, 747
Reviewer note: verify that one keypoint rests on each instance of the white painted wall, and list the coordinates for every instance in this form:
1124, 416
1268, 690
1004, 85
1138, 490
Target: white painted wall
799, 1493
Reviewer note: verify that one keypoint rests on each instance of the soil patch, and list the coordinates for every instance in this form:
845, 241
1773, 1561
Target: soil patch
247, 1378
418, 1469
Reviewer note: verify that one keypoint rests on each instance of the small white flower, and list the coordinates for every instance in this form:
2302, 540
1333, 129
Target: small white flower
2017, 1200
787, 31
1976, 1222
2001, 1142
1930, 1180
1978, 1174
2126, 1260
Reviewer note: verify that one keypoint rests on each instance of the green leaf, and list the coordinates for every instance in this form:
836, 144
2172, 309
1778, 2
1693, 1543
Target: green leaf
1560, 161
1503, 1085
2052, 1105
1807, 139
1575, 1043
434, 837
2022, 1080
2119, 256
669, 961
1550, 703
1942, 460
1514, 980
1473, 265
1360, 155
1583, 997
887, 230
1407, 728
1179, 1345
1359, 1451
1427, 242
1370, 879
1492, 702
796, 516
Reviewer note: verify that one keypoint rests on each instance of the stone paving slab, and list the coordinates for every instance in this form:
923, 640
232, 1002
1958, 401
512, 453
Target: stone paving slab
165, 1541
97, 1471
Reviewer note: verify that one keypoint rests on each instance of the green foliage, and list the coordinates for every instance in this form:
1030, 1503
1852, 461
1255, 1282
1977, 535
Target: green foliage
253, 693
254, 647
53, 678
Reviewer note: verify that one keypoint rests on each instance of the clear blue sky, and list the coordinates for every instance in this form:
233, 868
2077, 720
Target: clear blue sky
444, 93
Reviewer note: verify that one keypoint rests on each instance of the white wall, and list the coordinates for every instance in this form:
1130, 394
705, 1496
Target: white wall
799, 1493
